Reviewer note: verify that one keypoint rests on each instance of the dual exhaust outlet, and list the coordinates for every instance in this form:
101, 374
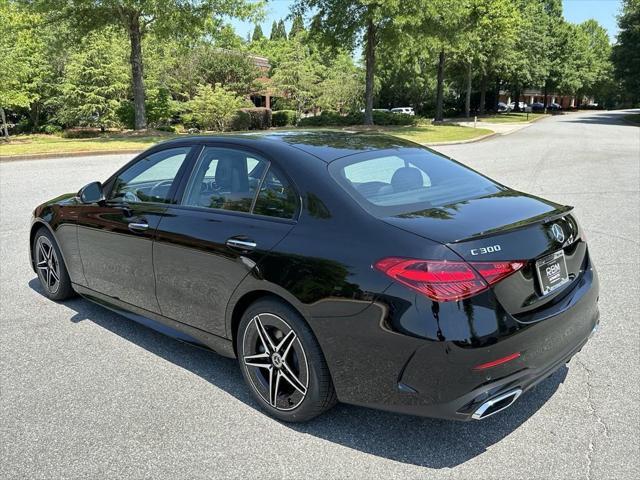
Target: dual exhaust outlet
496, 404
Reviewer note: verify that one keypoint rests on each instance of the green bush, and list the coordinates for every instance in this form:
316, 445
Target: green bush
388, 118
283, 118
241, 121
51, 129
260, 117
330, 118
214, 108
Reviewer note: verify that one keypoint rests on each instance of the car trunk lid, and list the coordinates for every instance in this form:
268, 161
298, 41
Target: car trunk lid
509, 226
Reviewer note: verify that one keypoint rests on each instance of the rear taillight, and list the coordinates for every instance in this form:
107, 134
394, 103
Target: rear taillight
445, 281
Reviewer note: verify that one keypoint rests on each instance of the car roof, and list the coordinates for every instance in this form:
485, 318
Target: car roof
327, 145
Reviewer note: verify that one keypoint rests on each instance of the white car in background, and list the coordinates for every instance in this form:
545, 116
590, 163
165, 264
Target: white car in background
405, 110
522, 105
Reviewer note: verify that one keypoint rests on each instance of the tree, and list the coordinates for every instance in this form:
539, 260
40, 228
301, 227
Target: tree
489, 38
30, 54
297, 26
213, 107
15, 51
597, 81
257, 34
447, 22
164, 18
341, 89
94, 83
278, 31
626, 52
282, 31
298, 74
348, 24
526, 64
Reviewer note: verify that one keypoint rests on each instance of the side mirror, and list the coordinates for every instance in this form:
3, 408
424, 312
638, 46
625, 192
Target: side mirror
91, 193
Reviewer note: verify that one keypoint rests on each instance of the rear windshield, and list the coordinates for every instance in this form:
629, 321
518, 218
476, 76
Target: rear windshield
399, 181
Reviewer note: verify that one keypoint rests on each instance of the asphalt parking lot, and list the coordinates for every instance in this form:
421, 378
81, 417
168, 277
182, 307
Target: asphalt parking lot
86, 393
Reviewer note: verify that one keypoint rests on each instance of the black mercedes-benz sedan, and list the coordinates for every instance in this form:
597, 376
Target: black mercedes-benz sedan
334, 266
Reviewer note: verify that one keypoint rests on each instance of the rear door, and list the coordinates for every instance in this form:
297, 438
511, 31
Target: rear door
116, 238
233, 209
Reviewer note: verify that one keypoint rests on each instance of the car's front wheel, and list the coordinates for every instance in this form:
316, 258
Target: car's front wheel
282, 363
50, 267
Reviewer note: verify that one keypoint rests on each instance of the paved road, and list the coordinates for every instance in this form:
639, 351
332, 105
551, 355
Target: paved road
86, 393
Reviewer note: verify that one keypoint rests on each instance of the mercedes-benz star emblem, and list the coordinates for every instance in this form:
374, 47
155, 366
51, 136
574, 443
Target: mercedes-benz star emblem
556, 231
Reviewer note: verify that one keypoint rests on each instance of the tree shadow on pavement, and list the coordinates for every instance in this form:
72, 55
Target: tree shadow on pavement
613, 118
414, 440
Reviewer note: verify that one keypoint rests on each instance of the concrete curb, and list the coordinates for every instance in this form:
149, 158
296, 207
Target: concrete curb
456, 142
44, 156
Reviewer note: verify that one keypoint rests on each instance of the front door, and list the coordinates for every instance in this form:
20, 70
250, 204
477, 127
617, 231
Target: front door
236, 207
116, 238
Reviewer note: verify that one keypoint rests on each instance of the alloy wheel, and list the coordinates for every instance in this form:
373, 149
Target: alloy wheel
47, 264
275, 361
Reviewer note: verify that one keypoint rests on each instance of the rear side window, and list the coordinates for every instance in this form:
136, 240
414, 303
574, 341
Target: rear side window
225, 179
229, 179
277, 198
400, 181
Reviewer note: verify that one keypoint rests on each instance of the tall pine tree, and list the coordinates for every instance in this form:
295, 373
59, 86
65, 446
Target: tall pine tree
257, 34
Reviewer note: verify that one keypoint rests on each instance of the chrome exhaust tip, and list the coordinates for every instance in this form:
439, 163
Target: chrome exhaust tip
496, 404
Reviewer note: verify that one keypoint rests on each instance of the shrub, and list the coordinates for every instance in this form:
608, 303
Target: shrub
260, 117
213, 108
388, 118
241, 121
330, 118
51, 129
283, 118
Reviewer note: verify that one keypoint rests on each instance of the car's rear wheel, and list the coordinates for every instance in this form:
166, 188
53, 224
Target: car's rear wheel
50, 267
282, 363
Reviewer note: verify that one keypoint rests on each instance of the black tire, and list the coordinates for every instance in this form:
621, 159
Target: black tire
44, 243
302, 360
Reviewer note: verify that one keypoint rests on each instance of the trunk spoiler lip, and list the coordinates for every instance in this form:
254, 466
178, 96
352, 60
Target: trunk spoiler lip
542, 218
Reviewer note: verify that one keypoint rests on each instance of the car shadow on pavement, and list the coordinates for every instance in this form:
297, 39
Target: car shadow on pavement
413, 440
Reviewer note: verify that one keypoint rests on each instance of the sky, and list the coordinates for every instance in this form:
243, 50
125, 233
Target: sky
575, 11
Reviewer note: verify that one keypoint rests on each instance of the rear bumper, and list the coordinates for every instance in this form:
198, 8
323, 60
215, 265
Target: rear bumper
379, 362
464, 406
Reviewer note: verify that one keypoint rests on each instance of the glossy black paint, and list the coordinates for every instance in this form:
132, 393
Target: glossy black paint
386, 345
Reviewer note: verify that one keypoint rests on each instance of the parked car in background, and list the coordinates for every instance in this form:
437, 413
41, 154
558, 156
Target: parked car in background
537, 106
521, 105
503, 107
405, 110
554, 106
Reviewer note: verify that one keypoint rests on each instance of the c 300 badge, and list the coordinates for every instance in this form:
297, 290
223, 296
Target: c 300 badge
485, 250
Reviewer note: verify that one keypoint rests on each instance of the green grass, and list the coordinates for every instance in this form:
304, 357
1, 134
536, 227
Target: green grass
43, 144
633, 118
436, 133
47, 144
513, 117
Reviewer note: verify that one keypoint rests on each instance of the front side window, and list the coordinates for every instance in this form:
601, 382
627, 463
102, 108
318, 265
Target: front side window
150, 179
400, 181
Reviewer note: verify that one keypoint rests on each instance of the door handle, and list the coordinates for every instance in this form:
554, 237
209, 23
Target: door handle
241, 244
138, 227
